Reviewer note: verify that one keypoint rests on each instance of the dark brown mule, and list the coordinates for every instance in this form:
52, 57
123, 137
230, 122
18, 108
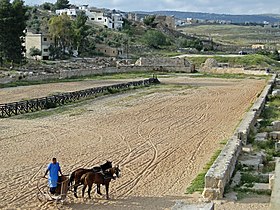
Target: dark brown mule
77, 174
98, 178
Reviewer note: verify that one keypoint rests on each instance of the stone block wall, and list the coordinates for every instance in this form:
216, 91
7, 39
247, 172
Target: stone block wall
250, 119
217, 70
221, 171
6, 80
218, 176
164, 62
275, 195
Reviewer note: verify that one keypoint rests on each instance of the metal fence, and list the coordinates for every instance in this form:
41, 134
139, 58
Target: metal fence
33, 105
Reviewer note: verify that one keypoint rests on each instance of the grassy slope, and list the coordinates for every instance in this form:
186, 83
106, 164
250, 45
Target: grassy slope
234, 35
259, 61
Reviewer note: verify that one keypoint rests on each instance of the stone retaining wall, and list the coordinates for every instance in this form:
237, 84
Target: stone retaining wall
232, 71
219, 175
250, 119
87, 72
221, 171
275, 195
6, 80
164, 62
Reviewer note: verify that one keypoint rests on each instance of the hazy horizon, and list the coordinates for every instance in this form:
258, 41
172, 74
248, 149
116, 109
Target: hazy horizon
238, 7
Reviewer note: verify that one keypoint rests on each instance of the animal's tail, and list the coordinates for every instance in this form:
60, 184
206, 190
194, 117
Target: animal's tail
72, 176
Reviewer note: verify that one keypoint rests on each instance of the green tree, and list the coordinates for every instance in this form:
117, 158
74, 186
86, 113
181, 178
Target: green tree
61, 30
62, 4
12, 25
149, 20
275, 55
34, 52
81, 31
55, 52
155, 39
197, 44
263, 52
48, 6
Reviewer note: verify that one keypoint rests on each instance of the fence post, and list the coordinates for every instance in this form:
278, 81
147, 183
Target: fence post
46, 105
37, 104
27, 107
16, 108
2, 111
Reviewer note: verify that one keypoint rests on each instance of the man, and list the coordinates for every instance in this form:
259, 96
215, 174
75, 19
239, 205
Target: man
53, 169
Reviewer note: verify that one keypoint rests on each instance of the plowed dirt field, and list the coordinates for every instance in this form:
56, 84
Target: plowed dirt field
161, 137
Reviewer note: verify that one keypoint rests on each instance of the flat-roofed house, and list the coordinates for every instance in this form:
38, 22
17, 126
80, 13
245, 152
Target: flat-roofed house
40, 41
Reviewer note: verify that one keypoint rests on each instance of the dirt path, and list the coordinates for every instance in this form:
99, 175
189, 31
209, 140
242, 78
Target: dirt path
161, 137
13, 94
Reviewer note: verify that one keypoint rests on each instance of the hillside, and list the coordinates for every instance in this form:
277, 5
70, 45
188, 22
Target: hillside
234, 35
212, 16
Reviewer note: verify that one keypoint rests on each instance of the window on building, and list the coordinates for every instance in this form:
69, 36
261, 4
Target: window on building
104, 50
46, 50
99, 18
45, 39
92, 18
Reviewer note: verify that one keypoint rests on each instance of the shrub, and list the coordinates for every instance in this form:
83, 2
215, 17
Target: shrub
155, 39
149, 20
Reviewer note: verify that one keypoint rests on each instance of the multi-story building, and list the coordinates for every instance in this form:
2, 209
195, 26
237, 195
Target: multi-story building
70, 12
39, 41
108, 19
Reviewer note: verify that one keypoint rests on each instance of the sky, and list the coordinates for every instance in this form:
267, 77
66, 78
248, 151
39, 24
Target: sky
209, 6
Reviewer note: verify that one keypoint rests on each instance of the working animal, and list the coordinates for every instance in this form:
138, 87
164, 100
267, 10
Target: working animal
98, 178
77, 174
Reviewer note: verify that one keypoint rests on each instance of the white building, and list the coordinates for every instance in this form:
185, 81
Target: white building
69, 12
110, 19
117, 21
83, 7
179, 22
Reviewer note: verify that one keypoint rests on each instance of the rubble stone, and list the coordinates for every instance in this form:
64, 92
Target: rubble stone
275, 135
276, 125
183, 206
260, 137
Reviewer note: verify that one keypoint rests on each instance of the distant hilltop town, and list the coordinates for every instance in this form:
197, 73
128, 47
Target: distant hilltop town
199, 17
